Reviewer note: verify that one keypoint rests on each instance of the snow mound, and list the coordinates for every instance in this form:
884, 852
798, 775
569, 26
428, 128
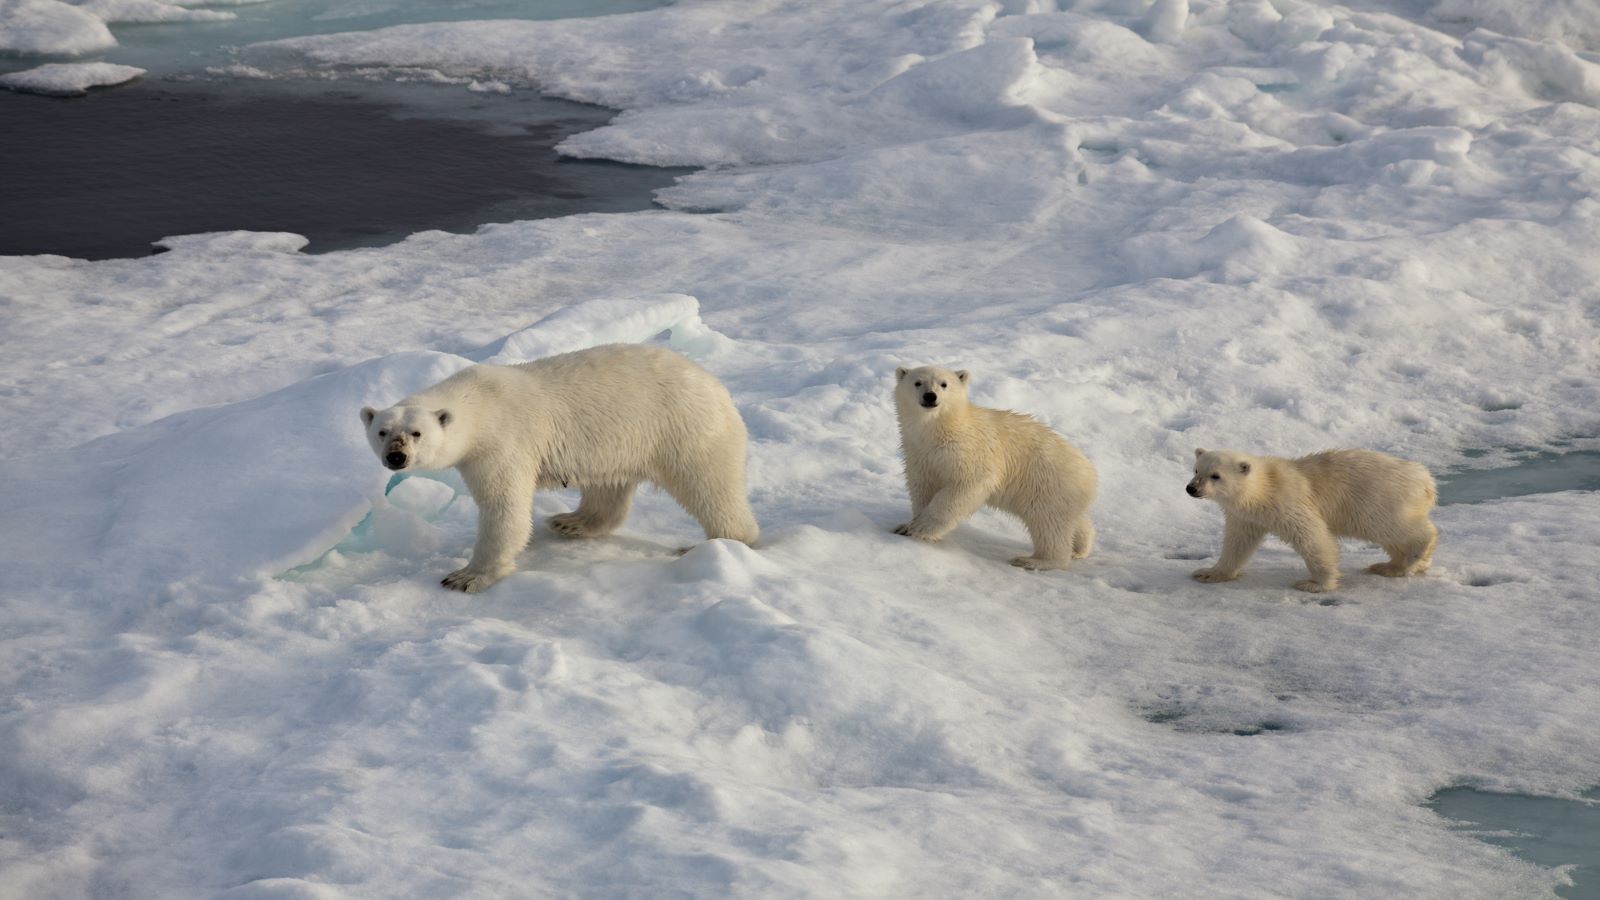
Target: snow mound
1544, 69
51, 27
1574, 22
726, 562
68, 79
595, 322
1241, 249
1164, 21
271, 499
977, 88
275, 497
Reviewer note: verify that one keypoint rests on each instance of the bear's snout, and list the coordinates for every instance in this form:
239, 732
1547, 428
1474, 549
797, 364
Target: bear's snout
1193, 491
930, 399
395, 460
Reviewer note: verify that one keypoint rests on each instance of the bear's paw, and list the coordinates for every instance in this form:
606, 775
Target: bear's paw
910, 530
571, 525
469, 580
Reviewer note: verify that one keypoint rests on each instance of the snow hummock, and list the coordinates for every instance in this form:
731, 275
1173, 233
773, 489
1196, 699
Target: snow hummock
1574, 22
51, 27
228, 669
68, 79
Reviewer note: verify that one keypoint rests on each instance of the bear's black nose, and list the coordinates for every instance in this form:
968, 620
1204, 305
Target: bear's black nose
930, 399
1193, 491
395, 460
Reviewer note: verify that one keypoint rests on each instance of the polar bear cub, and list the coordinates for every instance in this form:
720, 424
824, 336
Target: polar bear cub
1310, 501
602, 419
960, 457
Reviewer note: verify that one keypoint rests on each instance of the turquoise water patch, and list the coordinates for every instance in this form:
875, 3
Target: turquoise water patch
1538, 473
405, 526
359, 540
1542, 830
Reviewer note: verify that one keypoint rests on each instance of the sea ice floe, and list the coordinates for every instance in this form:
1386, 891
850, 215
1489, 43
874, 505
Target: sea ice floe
68, 79
51, 27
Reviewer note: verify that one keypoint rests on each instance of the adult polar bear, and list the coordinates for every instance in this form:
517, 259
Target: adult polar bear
602, 419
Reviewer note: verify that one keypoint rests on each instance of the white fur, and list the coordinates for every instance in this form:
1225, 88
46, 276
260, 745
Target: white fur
602, 419
960, 457
1311, 501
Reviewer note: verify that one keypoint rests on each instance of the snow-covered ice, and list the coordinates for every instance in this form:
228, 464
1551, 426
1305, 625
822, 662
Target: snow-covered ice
50, 27
68, 79
227, 667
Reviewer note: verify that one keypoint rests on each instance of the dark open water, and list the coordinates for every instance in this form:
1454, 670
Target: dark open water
105, 175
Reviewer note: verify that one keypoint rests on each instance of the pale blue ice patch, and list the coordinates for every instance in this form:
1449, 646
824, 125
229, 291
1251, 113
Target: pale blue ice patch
1546, 831
1540, 473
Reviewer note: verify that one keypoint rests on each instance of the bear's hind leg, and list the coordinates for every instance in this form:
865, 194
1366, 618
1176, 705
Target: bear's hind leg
1053, 544
715, 497
1410, 555
1427, 540
601, 511
1083, 538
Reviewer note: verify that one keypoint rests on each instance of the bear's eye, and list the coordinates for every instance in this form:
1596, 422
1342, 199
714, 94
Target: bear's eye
383, 434
1215, 477
416, 434
918, 384
943, 384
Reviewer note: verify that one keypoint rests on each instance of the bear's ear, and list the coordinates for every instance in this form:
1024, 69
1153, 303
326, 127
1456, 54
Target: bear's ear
1244, 468
900, 373
444, 417
963, 375
367, 413
1199, 452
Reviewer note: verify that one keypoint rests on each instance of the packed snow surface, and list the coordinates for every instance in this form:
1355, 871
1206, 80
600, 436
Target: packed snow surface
68, 79
227, 668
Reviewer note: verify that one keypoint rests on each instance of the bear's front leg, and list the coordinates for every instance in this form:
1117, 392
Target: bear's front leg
1240, 539
921, 491
1317, 546
948, 508
505, 522
922, 494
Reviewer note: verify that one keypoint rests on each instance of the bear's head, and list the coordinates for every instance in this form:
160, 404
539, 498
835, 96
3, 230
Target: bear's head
412, 437
929, 390
1221, 475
